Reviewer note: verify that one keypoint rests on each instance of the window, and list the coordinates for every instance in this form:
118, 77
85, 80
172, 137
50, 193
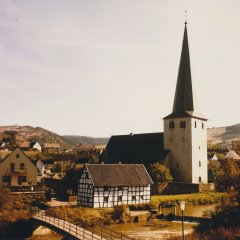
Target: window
134, 198
182, 124
141, 197
171, 124
105, 199
199, 179
202, 125
22, 179
17, 155
120, 187
12, 167
86, 175
22, 166
6, 179
195, 123
199, 163
105, 189
119, 198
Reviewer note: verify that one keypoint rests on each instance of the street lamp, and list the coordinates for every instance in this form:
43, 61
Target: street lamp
182, 207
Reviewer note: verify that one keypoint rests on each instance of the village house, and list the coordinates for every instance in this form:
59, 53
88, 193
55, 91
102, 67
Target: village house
108, 185
35, 145
18, 170
41, 167
52, 147
232, 155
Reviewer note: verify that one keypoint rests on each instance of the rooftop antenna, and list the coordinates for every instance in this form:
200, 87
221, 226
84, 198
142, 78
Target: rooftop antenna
186, 15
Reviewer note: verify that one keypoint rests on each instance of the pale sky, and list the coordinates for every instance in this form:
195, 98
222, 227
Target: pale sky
105, 67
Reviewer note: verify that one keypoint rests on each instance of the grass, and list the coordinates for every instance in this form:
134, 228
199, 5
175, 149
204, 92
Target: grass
191, 199
80, 215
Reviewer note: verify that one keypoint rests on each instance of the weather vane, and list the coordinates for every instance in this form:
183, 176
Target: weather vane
186, 15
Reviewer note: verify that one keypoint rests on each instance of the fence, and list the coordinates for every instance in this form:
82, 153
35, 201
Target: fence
93, 233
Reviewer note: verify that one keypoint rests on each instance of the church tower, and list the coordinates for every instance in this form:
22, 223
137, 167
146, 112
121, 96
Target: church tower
185, 132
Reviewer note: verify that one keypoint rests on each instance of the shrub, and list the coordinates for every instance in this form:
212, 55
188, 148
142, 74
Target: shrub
121, 212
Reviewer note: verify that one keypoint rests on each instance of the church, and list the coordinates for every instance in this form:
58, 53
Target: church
182, 147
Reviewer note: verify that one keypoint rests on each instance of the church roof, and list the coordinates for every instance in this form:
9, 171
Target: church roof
118, 175
144, 148
184, 104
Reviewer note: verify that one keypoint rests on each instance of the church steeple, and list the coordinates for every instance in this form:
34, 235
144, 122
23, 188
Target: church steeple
184, 104
183, 100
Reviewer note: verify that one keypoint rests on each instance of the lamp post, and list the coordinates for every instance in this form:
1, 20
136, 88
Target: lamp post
182, 207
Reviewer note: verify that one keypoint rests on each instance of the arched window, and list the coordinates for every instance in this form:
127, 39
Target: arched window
182, 124
171, 124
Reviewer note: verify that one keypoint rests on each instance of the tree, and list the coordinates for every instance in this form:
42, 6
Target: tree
228, 174
160, 173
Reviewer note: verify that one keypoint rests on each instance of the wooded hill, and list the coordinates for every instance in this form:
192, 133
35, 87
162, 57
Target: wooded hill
41, 135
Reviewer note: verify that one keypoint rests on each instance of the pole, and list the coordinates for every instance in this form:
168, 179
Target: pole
182, 226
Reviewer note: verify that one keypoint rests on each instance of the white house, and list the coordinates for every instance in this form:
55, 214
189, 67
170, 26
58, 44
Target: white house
36, 145
107, 185
41, 167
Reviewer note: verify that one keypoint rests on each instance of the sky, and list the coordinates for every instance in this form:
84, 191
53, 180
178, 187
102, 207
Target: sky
106, 67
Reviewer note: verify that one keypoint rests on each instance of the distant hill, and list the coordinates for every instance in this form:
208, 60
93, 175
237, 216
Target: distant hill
221, 134
28, 133
75, 139
41, 135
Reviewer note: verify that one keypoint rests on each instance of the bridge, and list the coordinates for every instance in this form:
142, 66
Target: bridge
73, 231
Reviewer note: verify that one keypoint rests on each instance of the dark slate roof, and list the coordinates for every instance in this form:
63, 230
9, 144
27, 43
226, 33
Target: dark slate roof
135, 148
184, 105
118, 174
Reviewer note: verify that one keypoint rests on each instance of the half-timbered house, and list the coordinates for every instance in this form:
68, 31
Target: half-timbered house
107, 185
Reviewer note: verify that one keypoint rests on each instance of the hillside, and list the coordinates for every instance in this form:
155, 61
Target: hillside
41, 135
74, 139
221, 134
28, 133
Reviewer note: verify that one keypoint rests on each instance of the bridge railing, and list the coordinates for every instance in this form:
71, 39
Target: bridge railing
93, 233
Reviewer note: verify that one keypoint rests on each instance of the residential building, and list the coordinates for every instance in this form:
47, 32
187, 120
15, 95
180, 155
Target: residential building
52, 146
182, 146
18, 170
35, 145
232, 155
108, 185
41, 167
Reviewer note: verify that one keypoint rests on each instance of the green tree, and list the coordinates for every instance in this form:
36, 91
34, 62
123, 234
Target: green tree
160, 173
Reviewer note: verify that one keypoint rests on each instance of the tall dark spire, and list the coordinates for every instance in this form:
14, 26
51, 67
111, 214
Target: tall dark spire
184, 99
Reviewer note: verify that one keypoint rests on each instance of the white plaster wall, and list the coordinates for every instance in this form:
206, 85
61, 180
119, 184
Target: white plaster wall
199, 151
178, 141
187, 147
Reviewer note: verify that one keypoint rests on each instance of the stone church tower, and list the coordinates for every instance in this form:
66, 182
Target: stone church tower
185, 132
